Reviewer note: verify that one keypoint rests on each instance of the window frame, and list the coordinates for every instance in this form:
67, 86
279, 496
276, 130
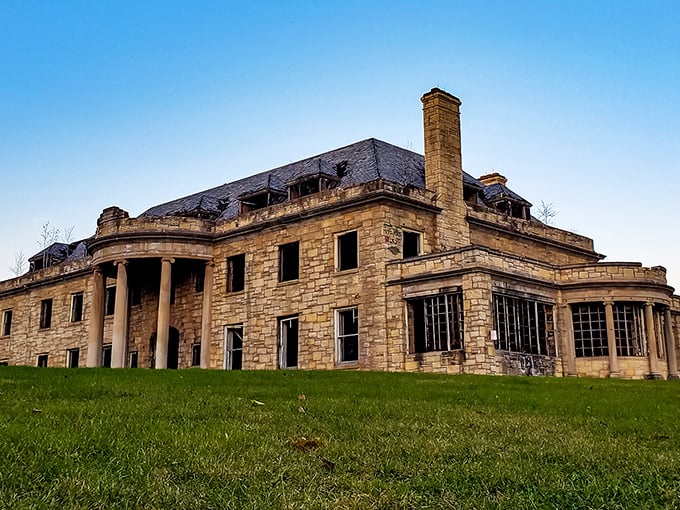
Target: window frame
523, 325
46, 307
77, 305
43, 360
289, 271
236, 279
196, 355
594, 312
339, 241
72, 354
341, 336
7, 317
283, 343
109, 300
419, 243
433, 330
229, 333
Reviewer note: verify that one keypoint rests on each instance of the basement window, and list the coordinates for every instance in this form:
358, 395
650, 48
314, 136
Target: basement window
110, 300
347, 251
436, 323
233, 347
72, 358
411, 244
106, 356
590, 330
45, 313
523, 326
6, 322
347, 337
4, 363
236, 270
289, 261
196, 355
77, 307
42, 360
133, 359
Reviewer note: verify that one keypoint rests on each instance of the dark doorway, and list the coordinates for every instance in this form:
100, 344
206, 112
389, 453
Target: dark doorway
173, 349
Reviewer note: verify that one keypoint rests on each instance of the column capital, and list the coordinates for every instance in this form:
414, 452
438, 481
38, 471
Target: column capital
649, 302
608, 302
168, 259
210, 263
120, 262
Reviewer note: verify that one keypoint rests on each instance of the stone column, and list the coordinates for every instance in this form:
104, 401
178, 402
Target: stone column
611, 339
96, 329
651, 342
670, 346
163, 325
569, 351
120, 316
206, 315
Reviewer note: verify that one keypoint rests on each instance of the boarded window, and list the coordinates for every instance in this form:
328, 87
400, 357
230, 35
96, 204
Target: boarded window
347, 343
6, 322
590, 330
436, 323
348, 253
45, 313
411, 244
77, 307
289, 262
524, 326
236, 270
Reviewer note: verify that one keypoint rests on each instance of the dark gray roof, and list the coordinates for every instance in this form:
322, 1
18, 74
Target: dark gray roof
495, 191
357, 163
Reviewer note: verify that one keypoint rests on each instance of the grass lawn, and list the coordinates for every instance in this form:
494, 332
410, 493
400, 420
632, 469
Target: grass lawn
193, 439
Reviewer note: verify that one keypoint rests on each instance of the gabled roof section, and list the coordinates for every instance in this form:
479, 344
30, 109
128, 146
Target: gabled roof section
498, 191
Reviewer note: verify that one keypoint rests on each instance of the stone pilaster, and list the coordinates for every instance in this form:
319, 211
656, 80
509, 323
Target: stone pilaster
96, 328
670, 345
120, 317
480, 352
570, 349
651, 342
206, 316
163, 324
611, 339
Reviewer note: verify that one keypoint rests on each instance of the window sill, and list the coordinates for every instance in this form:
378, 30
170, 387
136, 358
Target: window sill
346, 271
288, 282
235, 293
347, 365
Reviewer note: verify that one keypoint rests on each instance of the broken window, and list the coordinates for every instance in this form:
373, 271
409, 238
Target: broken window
6, 322
523, 325
236, 270
77, 307
134, 359
233, 350
629, 328
411, 244
110, 300
45, 313
348, 252
42, 360
347, 344
72, 358
289, 261
288, 342
590, 330
135, 295
311, 184
106, 356
436, 323
196, 355
261, 199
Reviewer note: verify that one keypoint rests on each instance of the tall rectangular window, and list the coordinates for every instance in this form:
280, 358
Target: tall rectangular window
134, 359
523, 325
135, 295
72, 358
411, 244
109, 300
233, 348
106, 356
347, 342
590, 330
289, 261
236, 270
6, 322
45, 313
629, 328
196, 355
348, 251
436, 323
199, 280
288, 342
77, 307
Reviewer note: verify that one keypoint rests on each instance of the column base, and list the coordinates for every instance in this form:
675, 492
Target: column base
572, 374
654, 376
673, 377
615, 375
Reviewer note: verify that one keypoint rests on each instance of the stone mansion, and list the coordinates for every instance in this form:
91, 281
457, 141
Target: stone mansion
367, 257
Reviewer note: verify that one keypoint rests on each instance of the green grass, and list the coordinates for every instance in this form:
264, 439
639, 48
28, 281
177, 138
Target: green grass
213, 439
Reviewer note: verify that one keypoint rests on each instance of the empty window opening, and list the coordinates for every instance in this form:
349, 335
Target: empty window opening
4, 363
524, 326
261, 199
42, 360
72, 358
629, 328
133, 359
6, 322
288, 342
436, 323
196, 355
135, 295
106, 356
347, 344
77, 307
233, 350
199, 280
236, 270
110, 300
411, 244
309, 185
348, 253
45, 313
289, 261
590, 330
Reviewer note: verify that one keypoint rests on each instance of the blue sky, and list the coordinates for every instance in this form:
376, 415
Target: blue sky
135, 103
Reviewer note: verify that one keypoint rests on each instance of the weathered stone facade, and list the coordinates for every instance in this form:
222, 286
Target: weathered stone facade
367, 257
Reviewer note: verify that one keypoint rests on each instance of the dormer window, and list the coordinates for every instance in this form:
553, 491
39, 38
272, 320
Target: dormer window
261, 199
309, 184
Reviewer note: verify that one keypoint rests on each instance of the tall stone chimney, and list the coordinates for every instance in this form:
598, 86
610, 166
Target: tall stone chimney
444, 167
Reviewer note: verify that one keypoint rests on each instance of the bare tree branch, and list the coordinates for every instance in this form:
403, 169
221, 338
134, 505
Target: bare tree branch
19, 263
546, 212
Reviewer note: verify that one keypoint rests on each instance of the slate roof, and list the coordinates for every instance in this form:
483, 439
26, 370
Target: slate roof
360, 162
498, 190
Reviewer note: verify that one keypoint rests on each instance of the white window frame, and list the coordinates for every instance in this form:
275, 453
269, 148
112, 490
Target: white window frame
283, 342
420, 241
336, 249
69, 356
82, 306
340, 336
228, 361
